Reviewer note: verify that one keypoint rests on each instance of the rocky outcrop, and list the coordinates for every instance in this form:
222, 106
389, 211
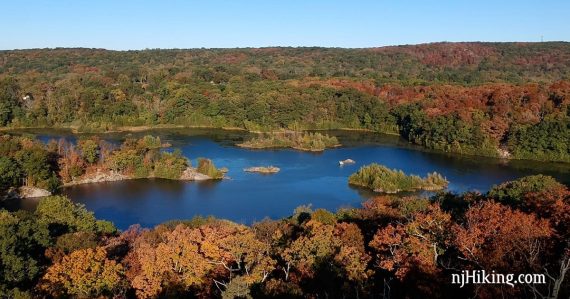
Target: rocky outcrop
263, 169
380, 190
33, 192
190, 174
503, 153
98, 177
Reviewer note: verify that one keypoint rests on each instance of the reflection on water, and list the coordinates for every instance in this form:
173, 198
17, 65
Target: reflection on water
305, 178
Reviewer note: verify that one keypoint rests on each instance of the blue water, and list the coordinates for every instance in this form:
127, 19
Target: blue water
305, 178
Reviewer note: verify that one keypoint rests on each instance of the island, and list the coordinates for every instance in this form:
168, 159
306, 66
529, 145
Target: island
31, 168
123, 165
382, 179
263, 169
304, 141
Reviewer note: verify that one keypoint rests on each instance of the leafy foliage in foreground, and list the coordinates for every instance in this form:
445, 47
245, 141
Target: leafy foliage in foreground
522, 190
401, 247
85, 273
29, 242
382, 179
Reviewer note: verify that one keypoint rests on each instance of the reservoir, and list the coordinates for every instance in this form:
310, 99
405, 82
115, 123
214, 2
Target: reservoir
305, 178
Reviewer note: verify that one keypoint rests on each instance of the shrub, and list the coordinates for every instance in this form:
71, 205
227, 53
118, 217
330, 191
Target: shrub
514, 191
170, 165
207, 167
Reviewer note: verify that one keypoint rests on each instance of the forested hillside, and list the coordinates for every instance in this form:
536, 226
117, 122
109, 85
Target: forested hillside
508, 99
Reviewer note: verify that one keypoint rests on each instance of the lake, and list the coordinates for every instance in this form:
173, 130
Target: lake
305, 178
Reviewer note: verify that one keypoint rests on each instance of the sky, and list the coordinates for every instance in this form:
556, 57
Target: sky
127, 24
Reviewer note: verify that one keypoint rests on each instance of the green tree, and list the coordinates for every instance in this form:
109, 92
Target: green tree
38, 167
64, 216
89, 150
207, 167
170, 165
10, 173
514, 192
22, 243
9, 90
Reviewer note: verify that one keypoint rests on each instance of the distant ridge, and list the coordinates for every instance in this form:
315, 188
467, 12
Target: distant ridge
442, 62
296, 47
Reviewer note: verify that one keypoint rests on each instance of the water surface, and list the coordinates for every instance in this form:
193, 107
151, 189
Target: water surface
305, 178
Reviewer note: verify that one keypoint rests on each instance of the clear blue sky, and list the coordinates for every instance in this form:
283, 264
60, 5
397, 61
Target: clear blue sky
127, 24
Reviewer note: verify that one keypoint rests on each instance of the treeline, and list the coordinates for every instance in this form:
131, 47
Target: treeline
391, 247
25, 161
463, 63
472, 98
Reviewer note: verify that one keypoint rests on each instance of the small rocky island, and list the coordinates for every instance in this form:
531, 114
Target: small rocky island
303, 141
346, 162
381, 179
263, 169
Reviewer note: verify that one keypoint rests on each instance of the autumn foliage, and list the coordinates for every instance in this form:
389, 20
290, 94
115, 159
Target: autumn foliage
493, 99
84, 273
398, 247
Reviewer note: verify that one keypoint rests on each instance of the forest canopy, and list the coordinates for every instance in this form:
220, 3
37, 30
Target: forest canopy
494, 99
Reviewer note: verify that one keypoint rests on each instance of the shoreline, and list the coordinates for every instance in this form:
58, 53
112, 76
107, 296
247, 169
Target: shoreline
190, 174
397, 191
302, 149
75, 129
124, 129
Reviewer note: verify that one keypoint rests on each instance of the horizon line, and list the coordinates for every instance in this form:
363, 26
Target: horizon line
285, 47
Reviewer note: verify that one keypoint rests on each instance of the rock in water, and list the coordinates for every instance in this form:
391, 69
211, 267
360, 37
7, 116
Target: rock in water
347, 161
262, 169
190, 174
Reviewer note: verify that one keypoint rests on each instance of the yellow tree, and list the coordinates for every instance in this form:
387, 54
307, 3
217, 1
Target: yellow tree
341, 244
195, 258
85, 273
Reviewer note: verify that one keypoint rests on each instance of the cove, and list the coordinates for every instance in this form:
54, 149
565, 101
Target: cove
305, 178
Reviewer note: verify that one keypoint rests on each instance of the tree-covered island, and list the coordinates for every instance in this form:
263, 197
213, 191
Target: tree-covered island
303, 141
382, 179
